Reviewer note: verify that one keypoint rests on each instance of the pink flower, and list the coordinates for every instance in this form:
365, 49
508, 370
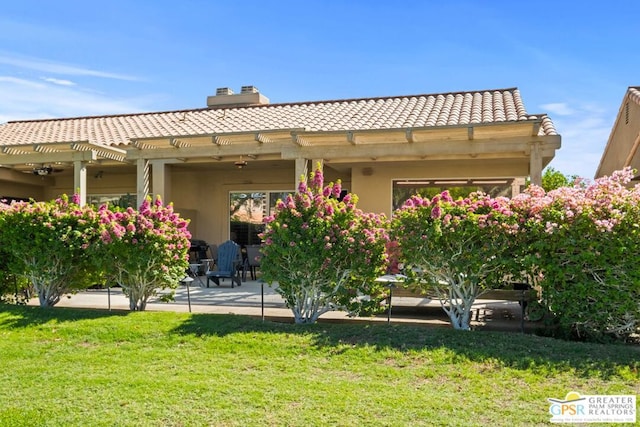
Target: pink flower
436, 212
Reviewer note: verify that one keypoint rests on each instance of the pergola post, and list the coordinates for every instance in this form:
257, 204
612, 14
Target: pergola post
159, 178
535, 164
80, 181
516, 185
301, 170
142, 180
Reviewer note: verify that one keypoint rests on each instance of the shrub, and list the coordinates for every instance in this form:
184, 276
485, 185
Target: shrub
143, 251
324, 253
584, 243
46, 243
457, 248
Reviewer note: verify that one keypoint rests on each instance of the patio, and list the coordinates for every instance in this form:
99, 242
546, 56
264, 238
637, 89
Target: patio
256, 299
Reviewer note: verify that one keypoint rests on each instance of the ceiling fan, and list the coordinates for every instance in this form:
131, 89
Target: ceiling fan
44, 170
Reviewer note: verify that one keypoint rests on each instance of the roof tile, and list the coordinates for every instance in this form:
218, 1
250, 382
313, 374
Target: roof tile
445, 109
634, 94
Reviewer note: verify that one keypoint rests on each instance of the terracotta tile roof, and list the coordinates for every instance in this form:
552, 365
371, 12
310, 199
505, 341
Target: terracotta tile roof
445, 109
634, 94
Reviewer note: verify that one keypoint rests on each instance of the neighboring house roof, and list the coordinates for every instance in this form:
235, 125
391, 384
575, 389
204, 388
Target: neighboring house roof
397, 112
623, 144
634, 94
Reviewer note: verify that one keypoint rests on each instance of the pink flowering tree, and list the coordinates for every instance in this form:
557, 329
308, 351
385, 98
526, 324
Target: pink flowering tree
46, 243
324, 254
143, 250
455, 248
584, 243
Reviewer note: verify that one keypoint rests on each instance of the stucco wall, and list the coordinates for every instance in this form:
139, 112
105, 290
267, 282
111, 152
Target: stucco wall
10, 189
622, 138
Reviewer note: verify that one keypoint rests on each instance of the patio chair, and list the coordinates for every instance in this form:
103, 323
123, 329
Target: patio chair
212, 255
253, 259
227, 264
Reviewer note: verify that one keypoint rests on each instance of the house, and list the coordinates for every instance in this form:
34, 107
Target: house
224, 166
622, 148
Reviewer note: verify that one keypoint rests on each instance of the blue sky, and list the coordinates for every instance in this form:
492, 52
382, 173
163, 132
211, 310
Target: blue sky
571, 59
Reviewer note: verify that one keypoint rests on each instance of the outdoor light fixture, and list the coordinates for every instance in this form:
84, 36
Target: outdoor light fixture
240, 164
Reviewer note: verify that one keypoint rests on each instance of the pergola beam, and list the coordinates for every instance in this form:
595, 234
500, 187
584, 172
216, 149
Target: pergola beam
57, 157
417, 150
210, 151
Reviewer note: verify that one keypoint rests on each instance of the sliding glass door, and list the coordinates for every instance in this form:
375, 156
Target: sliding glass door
247, 211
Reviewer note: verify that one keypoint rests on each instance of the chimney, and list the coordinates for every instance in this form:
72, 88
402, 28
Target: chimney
224, 98
223, 91
249, 89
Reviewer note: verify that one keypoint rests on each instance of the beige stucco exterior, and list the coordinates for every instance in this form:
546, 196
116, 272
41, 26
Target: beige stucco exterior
201, 193
623, 146
483, 135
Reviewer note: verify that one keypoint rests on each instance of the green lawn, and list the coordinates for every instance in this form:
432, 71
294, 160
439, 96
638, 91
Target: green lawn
71, 367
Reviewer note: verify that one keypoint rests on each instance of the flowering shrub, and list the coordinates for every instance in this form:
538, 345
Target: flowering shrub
46, 242
13, 289
325, 254
456, 248
142, 250
584, 242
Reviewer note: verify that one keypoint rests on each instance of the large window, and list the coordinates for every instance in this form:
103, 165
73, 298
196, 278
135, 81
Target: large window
121, 200
403, 189
247, 212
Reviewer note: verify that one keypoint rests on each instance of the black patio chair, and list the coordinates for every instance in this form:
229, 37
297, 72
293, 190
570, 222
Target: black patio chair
253, 259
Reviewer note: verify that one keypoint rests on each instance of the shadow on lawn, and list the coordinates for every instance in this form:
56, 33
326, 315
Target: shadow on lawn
25, 316
506, 349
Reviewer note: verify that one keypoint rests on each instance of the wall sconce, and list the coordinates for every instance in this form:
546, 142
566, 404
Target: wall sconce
98, 175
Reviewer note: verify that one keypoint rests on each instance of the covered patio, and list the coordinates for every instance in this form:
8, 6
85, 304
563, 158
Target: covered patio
240, 144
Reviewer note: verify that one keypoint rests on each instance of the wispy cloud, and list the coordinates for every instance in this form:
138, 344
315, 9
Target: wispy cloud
20, 82
24, 99
585, 129
60, 82
559, 108
51, 67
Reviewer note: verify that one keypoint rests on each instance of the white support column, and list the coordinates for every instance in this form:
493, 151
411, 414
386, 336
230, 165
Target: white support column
160, 179
80, 181
142, 181
301, 170
535, 164
516, 185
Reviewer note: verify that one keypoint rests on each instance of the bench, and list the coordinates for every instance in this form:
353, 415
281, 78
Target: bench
520, 293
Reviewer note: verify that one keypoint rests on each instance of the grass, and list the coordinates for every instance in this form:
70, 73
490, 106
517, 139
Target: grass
68, 367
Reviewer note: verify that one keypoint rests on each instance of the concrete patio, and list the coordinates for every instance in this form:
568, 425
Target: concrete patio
260, 300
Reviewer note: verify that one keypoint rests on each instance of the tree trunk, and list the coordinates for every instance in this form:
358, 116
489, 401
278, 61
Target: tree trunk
48, 296
457, 300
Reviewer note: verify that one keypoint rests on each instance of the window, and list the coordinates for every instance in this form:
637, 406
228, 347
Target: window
247, 212
120, 200
404, 189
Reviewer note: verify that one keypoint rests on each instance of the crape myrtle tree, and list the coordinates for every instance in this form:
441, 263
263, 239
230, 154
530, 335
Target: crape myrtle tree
46, 243
584, 244
142, 250
455, 248
324, 253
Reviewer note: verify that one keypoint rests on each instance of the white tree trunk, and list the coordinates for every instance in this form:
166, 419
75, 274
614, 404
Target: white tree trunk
308, 302
457, 298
